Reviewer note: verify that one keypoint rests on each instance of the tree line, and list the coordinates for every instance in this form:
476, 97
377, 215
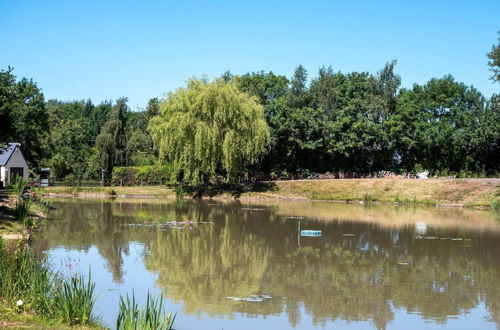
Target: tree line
335, 122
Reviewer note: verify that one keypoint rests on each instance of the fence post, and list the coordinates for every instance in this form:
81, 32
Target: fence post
121, 182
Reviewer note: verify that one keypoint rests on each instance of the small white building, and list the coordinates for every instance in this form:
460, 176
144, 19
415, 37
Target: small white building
12, 163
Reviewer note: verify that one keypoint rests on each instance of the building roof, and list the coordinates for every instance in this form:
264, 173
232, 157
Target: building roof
6, 152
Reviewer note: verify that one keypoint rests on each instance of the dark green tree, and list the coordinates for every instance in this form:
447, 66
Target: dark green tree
494, 60
435, 124
23, 116
111, 141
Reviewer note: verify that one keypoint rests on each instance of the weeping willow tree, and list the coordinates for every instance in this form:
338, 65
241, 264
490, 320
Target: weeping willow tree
209, 129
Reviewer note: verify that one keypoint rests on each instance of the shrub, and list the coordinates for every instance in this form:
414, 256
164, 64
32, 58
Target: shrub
144, 174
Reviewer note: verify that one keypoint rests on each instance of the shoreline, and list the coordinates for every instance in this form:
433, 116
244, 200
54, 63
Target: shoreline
449, 193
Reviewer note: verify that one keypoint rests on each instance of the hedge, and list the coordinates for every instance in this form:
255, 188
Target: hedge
135, 175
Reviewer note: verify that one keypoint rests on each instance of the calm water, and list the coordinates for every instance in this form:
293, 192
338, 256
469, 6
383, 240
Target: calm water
380, 267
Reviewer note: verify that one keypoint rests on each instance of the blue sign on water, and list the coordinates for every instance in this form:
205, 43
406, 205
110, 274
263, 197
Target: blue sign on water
310, 233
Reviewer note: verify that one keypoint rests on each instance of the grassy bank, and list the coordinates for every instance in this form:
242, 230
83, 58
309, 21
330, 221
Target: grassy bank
156, 191
451, 192
468, 193
19, 217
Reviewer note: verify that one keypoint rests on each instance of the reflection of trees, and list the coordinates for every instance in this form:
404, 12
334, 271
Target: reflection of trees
85, 224
205, 266
252, 252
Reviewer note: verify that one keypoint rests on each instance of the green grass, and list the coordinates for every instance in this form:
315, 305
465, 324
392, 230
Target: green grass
29, 287
24, 278
151, 316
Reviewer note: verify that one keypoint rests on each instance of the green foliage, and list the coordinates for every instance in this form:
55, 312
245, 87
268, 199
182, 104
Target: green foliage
495, 204
28, 280
25, 278
145, 174
367, 199
18, 185
21, 211
209, 129
179, 191
75, 300
151, 316
23, 115
494, 60
260, 125
111, 142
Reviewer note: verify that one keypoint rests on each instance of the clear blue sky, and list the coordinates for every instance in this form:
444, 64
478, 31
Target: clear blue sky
141, 49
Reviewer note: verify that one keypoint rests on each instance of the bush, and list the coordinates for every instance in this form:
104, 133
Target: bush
143, 174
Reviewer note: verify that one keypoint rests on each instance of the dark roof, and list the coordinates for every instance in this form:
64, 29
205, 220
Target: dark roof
6, 152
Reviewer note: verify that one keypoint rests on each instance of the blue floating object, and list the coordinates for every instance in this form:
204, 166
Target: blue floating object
310, 233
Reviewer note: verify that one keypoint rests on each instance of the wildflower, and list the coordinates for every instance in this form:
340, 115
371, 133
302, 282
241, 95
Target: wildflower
19, 302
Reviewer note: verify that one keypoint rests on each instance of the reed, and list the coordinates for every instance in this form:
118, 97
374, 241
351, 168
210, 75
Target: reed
18, 185
495, 204
24, 278
367, 199
22, 209
179, 191
151, 316
75, 301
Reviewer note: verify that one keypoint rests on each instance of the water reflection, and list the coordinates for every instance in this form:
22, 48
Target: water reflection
378, 272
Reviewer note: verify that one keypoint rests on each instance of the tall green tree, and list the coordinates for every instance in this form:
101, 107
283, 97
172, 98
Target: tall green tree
68, 141
111, 141
23, 116
139, 149
209, 129
436, 121
494, 60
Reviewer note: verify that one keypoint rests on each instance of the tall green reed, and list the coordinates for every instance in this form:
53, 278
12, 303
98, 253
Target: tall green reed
495, 204
21, 212
24, 278
75, 301
18, 185
151, 316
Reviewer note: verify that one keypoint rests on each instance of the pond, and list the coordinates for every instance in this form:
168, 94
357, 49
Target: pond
248, 266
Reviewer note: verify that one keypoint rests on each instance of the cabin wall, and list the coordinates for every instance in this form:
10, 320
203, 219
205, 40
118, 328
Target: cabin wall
16, 160
2, 176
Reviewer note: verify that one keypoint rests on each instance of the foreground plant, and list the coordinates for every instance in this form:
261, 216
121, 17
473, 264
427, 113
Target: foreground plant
26, 279
75, 301
21, 212
152, 316
18, 185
